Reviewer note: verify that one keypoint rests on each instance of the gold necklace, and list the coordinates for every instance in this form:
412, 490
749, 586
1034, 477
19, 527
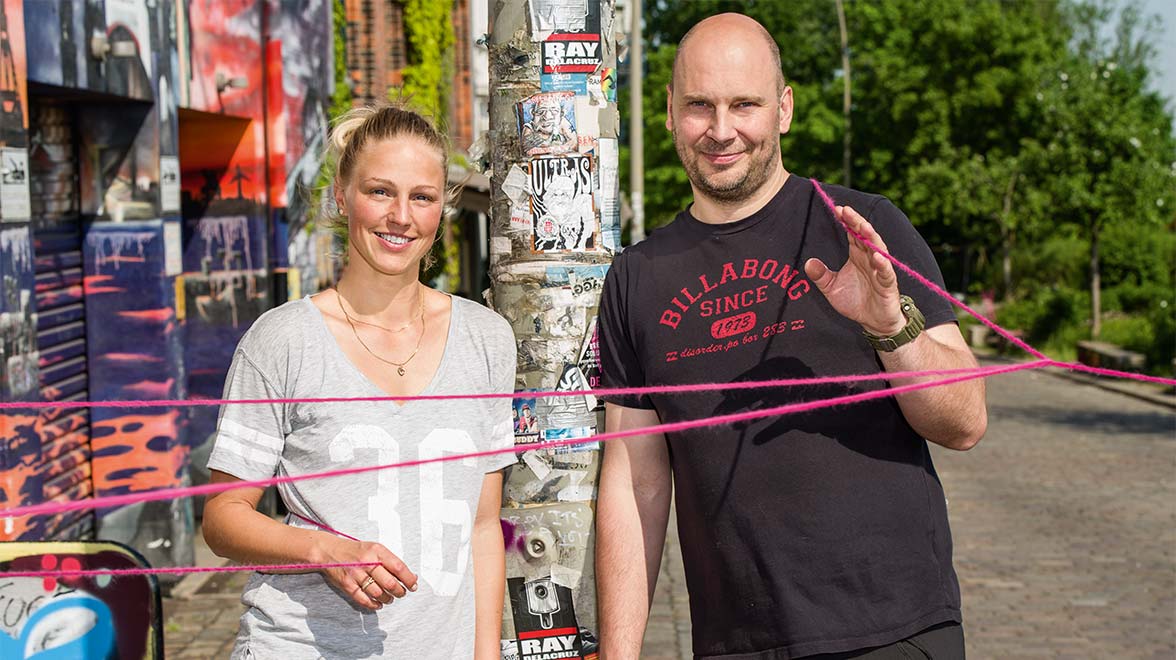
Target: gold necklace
402, 328
399, 365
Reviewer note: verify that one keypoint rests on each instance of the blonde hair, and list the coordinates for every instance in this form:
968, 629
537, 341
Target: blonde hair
358, 127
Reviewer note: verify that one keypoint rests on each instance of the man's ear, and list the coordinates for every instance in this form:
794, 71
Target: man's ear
669, 108
786, 110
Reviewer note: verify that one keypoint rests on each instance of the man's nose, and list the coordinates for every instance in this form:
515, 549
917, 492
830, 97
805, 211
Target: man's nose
722, 126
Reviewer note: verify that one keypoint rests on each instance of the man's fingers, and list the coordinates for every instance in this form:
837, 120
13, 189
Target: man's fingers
883, 270
859, 224
819, 273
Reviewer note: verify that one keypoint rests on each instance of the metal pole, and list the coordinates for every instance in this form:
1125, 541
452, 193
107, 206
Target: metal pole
846, 156
554, 227
636, 122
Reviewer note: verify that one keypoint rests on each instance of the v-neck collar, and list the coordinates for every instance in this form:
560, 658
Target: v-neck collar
433, 383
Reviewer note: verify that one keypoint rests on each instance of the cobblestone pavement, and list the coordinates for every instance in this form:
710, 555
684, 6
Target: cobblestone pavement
1064, 520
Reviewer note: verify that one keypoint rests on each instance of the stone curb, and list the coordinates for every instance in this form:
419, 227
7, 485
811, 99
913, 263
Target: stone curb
1142, 391
191, 583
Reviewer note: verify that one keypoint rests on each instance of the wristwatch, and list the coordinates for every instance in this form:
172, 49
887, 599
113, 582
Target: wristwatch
913, 328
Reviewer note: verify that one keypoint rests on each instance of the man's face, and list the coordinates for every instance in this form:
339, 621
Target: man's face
547, 116
726, 115
559, 196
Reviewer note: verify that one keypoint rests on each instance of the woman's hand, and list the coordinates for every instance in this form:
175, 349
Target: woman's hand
371, 587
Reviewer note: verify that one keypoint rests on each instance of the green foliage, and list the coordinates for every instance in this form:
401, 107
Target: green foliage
1002, 128
428, 27
340, 102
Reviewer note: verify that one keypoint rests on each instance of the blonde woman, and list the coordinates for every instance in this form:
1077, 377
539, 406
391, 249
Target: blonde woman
433, 529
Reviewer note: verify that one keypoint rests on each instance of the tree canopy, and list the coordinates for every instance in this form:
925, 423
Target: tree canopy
1028, 150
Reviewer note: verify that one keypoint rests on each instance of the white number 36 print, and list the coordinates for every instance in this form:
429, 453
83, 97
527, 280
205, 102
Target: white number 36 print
435, 511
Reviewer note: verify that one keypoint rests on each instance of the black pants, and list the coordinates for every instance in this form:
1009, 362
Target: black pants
942, 642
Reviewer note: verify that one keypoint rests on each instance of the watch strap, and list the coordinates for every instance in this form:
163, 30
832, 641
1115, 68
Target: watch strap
913, 328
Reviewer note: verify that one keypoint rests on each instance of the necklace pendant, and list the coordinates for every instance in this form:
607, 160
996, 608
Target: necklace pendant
400, 370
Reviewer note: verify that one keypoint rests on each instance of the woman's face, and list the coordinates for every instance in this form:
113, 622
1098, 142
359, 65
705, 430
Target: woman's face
393, 199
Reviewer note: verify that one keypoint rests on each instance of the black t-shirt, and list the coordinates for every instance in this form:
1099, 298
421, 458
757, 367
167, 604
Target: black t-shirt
814, 533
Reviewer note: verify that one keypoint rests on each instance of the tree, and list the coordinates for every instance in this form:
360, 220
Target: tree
1105, 151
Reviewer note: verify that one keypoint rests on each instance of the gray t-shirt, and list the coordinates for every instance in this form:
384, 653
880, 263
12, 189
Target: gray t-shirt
423, 514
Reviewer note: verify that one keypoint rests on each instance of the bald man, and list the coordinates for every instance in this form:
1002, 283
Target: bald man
821, 534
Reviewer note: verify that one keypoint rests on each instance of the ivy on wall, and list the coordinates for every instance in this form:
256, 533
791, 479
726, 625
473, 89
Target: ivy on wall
428, 29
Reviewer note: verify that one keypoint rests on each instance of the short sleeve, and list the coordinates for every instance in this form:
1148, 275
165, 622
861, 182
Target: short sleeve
619, 365
499, 422
249, 436
905, 244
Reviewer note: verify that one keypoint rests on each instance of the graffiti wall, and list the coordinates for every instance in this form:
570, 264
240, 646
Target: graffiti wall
141, 449
193, 141
304, 37
87, 618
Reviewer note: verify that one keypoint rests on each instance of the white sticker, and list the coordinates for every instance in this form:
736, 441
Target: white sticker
537, 465
169, 183
520, 218
14, 185
610, 209
499, 245
173, 252
589, 124
565, 577
516, 185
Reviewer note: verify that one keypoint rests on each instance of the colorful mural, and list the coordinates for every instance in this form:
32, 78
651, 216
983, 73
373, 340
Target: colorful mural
194, 151
85, 618
145, 449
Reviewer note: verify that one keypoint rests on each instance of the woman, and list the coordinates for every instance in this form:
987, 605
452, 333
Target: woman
434, 528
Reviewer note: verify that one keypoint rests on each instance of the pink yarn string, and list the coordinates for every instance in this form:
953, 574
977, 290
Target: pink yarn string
601, 392
926, 282
1074, 366
604, 391
180, 570
50, 508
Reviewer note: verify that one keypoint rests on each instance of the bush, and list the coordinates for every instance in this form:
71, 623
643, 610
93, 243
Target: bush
1046, 314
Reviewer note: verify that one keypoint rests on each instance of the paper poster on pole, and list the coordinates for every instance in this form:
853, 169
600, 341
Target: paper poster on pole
547, 123
549, 16
562, 209
169, 183
14, 185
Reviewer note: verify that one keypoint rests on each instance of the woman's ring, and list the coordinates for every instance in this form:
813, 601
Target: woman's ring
366, 583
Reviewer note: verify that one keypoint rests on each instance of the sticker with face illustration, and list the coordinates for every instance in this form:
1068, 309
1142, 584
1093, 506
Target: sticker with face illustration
547, 123
562, 209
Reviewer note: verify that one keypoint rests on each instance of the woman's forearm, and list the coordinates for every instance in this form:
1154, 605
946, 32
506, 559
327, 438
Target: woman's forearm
236, 531
489, 587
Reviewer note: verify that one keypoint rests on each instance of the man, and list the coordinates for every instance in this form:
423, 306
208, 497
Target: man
802, 535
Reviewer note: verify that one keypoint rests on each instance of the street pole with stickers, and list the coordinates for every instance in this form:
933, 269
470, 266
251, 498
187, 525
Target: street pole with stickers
555, 225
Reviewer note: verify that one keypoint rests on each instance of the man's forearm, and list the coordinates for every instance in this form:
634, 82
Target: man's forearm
954, 415
627, 564
632, 512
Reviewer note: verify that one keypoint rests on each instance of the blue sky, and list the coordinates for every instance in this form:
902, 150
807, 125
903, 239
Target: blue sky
1164, 64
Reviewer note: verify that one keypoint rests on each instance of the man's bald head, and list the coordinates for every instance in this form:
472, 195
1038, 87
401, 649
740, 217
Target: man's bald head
736, 27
